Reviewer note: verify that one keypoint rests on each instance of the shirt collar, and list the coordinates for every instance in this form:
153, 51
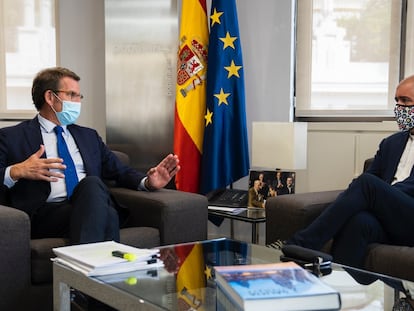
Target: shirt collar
47, 126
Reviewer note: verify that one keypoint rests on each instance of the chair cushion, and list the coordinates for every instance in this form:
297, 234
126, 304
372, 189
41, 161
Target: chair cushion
41, 250
141, 237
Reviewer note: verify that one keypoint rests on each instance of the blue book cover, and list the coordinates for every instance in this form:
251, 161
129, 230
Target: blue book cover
279, 286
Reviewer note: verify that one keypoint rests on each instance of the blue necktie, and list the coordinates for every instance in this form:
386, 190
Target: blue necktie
71, 178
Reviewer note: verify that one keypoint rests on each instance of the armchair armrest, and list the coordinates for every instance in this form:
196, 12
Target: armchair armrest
15, 256
394, 260
179, 216
287, 214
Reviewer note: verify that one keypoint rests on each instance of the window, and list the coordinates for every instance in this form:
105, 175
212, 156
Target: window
27, 44
348, 57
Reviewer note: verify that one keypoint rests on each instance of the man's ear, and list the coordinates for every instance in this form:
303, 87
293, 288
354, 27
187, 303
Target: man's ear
48, 97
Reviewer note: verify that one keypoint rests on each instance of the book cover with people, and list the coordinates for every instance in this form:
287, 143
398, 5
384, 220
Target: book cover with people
276, 286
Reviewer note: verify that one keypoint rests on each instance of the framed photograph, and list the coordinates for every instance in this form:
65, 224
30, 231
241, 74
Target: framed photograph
265, 184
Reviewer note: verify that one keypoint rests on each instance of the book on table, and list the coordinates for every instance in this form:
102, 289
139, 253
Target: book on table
102, 258
278, 286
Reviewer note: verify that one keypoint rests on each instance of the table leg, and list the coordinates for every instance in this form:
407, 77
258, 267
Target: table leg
231, 229
255, 233
61, 296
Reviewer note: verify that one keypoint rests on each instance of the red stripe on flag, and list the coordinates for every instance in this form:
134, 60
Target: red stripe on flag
203, 5
187, 179
182, 251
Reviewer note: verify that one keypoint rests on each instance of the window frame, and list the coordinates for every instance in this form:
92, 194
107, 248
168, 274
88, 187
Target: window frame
303, 66
19, 114
409, 42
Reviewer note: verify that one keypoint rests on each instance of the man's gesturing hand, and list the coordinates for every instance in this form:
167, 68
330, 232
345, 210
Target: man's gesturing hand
38, 168
159, 176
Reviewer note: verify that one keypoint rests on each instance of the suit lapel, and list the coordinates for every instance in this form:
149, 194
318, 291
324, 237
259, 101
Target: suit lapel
33, 135
84, 147
397, 152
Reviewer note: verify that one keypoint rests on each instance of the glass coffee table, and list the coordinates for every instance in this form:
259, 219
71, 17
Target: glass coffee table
186, 282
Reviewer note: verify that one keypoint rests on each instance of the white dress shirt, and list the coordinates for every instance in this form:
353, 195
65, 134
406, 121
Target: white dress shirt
406, 161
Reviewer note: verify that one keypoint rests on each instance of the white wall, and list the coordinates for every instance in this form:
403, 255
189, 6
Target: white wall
266, 31
337, 151
81, 45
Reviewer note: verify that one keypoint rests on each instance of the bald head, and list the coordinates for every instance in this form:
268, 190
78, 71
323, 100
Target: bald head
404, 94
409, 79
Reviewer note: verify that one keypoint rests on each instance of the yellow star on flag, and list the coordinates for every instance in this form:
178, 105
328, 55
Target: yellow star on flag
215, 17
228, 41
209, 117
222, 97
207, 272
233, 70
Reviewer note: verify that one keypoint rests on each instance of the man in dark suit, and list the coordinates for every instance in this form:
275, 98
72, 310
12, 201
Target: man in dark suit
378, 206
33, 173
289, 188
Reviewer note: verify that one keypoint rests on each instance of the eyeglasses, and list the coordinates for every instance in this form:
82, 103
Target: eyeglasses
72, 95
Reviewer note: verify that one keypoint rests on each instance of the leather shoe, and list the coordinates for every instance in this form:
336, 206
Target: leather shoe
403, 304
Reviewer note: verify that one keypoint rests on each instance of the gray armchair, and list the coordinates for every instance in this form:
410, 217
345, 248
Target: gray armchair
157, 218
289, 213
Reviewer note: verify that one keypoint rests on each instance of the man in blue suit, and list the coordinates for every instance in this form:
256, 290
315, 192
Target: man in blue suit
378, 206
33, 173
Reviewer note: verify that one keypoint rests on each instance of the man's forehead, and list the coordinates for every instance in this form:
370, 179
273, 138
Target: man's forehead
67, 81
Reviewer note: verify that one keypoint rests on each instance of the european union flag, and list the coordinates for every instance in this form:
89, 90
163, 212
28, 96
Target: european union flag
225, 157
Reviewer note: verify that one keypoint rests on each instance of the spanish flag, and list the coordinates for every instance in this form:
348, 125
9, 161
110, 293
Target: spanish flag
191, 278
190, 102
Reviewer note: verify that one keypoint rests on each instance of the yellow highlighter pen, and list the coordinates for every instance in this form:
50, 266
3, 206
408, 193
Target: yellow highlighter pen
127, 256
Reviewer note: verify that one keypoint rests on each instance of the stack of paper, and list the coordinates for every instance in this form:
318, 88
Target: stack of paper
97, 258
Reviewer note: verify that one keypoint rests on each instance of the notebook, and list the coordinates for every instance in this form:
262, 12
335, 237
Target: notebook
228, 198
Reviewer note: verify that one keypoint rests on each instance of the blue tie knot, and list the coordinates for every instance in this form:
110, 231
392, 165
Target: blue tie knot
58, 130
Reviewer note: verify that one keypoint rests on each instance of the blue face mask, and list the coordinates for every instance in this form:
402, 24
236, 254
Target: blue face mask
70, 112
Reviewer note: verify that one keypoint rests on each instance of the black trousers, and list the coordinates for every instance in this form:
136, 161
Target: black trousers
369, 211
89, 216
